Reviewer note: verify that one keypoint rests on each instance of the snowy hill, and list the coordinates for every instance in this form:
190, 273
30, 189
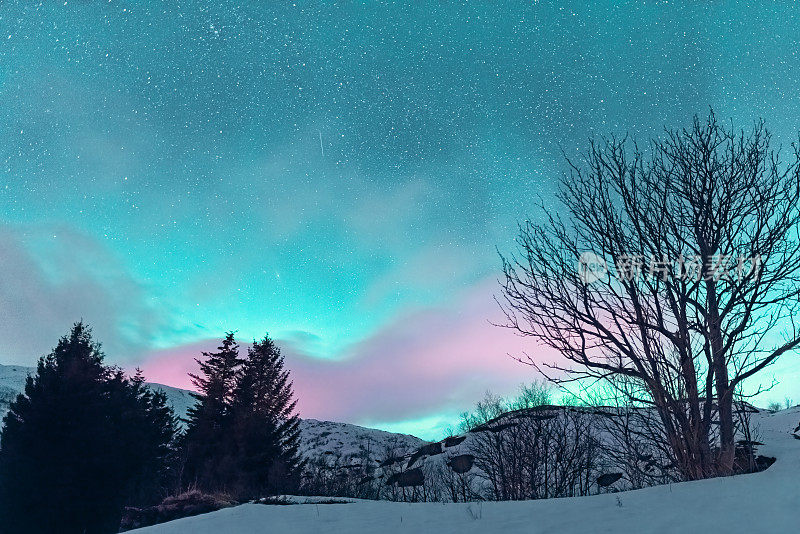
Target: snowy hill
762, 502
352, 443
340, 442
12, 383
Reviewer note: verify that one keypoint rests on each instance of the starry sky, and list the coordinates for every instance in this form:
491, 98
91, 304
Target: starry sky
338, 174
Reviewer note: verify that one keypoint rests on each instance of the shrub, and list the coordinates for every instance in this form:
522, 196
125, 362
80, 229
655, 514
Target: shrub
187, 504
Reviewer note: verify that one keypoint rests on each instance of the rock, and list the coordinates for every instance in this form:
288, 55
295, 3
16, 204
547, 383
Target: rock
431, 449
462, 463
762, 462
412, 477
452, 441
608, 479
175, 507
390, 461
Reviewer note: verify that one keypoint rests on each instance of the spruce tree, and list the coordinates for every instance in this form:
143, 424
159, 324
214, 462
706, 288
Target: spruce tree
266, 427
207, 444
154, 426
71, 447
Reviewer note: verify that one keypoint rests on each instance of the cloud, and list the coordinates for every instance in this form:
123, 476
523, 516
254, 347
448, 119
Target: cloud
426, 362
52, 276
433, 269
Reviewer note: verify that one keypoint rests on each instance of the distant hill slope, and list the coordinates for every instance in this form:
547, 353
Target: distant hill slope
319, 439
352, 443
12, 382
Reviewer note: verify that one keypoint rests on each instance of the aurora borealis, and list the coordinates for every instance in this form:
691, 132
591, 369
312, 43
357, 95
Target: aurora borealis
339, 175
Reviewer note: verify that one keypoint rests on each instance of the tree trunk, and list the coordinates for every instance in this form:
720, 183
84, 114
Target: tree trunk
726, 430
726, 454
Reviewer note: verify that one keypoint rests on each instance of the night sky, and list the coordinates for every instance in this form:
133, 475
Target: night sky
339, 175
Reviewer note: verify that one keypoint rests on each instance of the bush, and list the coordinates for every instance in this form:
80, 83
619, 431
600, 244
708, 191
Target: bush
187, 504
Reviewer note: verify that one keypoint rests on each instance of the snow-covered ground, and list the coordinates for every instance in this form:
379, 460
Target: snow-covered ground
763, 502
758, 503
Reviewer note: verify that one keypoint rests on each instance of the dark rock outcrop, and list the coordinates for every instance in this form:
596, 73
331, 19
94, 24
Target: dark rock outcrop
431, 449
762, 462
607, 479
390, 461
462, 463
452, 441
184, 505
412, 477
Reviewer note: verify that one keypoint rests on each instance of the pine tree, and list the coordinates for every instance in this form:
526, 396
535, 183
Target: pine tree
154, 426
266, 427
206, 443
71, 446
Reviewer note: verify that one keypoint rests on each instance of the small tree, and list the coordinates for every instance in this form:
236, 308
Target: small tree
78, 442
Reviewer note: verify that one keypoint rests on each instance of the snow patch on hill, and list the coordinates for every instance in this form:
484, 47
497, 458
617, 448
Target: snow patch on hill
352, 443
12, 382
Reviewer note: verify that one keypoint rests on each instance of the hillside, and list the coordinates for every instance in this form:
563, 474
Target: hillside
762, 502
319, 439
352, 442
12, 382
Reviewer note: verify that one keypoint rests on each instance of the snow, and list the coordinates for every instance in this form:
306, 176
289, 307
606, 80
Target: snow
351, 443
12, 382
180, 399
762, 502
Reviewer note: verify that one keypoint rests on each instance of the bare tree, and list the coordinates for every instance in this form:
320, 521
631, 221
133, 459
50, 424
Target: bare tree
536, 453
633, 437
700, 232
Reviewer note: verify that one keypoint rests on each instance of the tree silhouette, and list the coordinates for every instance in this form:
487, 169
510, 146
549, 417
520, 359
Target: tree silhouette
154, 427
266, 429
242, 435
684, 336
77, 442
207, 441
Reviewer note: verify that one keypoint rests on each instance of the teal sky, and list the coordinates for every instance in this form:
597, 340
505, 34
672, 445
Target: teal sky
330, 172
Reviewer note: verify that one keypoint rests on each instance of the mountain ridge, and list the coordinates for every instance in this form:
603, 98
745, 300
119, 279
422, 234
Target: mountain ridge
318, 439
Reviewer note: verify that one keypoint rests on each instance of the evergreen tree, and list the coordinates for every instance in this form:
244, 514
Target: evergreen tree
207, 445
265, 427
72, 445
155, 429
